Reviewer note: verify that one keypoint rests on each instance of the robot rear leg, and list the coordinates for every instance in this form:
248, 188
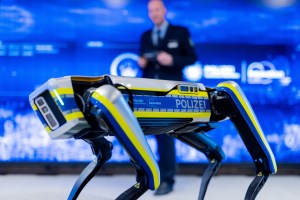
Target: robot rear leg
213, 152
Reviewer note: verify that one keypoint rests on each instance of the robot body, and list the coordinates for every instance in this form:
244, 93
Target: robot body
91, 108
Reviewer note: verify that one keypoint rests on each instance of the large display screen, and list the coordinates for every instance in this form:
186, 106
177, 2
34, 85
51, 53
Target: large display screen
255, 43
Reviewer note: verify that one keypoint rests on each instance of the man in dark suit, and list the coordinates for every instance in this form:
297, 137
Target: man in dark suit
164, 51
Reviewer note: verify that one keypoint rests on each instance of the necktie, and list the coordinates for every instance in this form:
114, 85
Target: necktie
158, 37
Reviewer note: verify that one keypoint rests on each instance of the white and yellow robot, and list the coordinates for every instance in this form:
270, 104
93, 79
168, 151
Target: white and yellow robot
91, 108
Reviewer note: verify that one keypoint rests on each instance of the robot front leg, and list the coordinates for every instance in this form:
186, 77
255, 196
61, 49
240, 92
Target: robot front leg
121, 121
213, 152
102, 149
229, 101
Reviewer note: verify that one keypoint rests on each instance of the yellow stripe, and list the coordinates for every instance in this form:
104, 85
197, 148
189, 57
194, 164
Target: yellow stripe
74, 115
172, 92
147, 89
65, 91
115, 113
252, 118
34, 107
62, 91
145, 114
48, 129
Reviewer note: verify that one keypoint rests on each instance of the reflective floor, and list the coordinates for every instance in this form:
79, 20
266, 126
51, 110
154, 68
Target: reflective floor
37, 187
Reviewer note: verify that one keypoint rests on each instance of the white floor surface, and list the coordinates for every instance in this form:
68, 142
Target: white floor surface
40, 187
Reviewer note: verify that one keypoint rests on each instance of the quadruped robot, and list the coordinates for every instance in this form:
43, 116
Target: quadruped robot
90, 108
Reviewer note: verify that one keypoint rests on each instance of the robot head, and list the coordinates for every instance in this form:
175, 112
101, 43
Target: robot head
56, 105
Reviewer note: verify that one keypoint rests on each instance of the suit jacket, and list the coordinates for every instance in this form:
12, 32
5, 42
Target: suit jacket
176, 42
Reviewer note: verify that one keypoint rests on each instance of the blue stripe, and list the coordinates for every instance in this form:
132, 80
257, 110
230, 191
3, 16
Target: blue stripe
126, 141
69, 103
250, 124
194, 104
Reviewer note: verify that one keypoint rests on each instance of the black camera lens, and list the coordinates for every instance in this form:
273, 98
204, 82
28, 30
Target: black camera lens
40, 102
44, 109
184, 88
51, 120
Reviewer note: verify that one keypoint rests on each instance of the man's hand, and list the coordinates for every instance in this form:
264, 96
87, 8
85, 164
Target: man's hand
164, 58
142, 61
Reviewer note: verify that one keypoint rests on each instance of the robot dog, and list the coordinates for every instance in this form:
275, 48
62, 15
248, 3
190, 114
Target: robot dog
91, 108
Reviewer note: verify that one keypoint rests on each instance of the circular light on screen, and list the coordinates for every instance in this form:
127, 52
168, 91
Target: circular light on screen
126, 65
193, 72
16, 22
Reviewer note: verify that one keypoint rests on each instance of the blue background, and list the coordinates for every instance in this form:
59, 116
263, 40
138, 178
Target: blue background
44, 39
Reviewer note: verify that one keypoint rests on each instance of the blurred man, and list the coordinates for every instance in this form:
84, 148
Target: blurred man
164, 51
